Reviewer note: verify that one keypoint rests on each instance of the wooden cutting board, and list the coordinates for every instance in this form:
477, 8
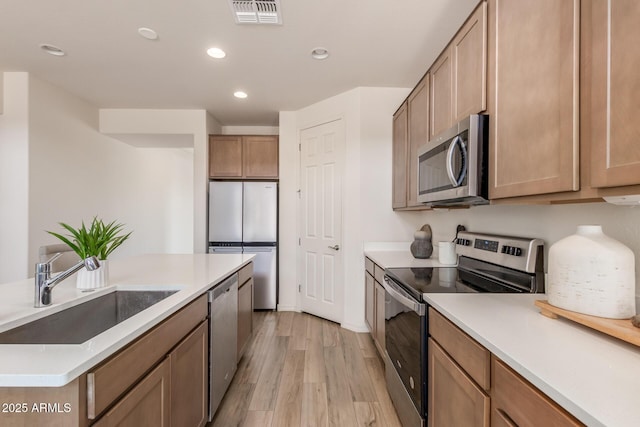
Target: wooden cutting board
618, 328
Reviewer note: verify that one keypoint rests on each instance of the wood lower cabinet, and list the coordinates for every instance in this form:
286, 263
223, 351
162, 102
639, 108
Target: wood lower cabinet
614, 91
374, 303
400, 156
243, 156
515, 402
245, 316
469, 386
147, 404
533, 97
369, 301
379, 316
454, 398
190, 379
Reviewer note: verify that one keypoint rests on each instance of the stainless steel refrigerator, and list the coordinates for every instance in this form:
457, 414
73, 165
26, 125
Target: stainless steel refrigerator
243, 218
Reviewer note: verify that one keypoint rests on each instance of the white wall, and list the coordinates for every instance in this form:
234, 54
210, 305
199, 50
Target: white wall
177, 128
250, 130
63, 169
365, 112
14, 178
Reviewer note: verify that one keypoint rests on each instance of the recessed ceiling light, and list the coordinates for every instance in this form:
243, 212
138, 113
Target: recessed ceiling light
240, 94
147, 33
319, 53
216, 52
53, 50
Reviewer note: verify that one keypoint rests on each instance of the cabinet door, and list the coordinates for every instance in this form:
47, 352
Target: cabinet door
454, 399
470, 66
441, 73
245, 316
225, 156
369, 301
260, 156
515, 401
189, 379
418, 104
615, 91
379, 316
146, 405
533, 97
400, 142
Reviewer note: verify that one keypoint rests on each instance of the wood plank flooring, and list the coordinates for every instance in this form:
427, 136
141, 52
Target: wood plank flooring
300, 370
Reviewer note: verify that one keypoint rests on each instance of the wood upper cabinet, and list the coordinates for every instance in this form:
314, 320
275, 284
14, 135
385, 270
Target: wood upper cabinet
190, 379
441, 75
454, 399
147, 404
225, 156
418, 125
533, 97
400, 151
515, 402
615, 92
260, 156
469, 55
234, 156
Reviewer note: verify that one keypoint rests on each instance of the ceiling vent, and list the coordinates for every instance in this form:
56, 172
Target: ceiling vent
256, 11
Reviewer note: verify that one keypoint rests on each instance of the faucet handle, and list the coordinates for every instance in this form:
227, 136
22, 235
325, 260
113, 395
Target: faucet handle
53, 258
41, 267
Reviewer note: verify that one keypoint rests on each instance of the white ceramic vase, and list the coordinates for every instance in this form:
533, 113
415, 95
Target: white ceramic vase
593, 274
93, 279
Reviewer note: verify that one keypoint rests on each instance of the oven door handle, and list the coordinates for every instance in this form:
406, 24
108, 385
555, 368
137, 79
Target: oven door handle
418, 308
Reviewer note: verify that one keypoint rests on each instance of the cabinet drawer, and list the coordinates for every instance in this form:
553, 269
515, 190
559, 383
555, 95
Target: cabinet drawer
244, 274
471, 356
368, 265
107, 382
378, 273
514, 401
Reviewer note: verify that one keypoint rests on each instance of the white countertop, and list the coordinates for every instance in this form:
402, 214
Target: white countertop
593, 376
57, 365
397, 255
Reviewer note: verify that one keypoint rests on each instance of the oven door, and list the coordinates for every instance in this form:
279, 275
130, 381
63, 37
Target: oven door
406, 341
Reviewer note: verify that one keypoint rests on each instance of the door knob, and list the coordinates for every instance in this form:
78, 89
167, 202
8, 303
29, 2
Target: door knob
334, 247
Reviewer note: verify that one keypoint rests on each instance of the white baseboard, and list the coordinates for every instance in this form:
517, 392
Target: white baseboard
355, 327
287, 308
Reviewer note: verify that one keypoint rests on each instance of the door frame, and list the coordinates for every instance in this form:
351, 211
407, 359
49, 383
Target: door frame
299, 258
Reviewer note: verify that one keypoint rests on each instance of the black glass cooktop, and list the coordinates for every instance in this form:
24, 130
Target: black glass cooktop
418, 281
421, 280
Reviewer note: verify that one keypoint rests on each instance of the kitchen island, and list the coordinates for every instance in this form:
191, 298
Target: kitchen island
67, 370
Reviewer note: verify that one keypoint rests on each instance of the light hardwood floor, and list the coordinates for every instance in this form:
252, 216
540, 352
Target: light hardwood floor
300, 370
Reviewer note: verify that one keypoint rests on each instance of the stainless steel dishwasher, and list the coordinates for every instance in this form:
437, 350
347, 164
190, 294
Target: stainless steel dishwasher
223, 339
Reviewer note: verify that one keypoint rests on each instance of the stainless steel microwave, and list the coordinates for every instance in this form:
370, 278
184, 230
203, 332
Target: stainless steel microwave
453, 166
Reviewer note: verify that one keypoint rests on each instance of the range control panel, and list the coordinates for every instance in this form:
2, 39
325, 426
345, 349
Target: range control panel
519, 253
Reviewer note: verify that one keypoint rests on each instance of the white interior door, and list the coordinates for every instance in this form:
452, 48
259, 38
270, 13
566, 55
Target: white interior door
321, 277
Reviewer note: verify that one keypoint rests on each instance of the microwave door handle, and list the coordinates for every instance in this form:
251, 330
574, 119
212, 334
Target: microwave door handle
456, 181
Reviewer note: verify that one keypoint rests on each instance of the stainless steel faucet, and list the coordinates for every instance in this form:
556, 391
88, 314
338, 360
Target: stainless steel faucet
45, 283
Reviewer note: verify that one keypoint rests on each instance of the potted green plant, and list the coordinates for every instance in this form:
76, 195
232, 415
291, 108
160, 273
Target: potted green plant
98, 240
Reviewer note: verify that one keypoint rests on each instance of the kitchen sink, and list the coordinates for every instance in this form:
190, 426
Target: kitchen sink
84, 321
